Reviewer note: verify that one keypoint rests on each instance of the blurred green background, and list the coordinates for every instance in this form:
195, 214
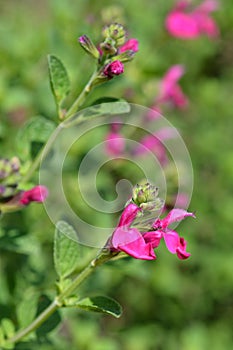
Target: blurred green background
168, 304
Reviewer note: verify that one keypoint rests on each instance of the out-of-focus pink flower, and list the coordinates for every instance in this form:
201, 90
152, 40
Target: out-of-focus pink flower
131, 44
184, 23
113, 68
36, 194
174, 243
115, 142
170, 90
154, 143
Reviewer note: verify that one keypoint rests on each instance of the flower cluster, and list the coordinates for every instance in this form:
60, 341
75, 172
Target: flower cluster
186, 23
140, 244
12, 198
112, 52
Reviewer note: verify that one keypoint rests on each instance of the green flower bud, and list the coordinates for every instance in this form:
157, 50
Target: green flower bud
144, 194
115, 31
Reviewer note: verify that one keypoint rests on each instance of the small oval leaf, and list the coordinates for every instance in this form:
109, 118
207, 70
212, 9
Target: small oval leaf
66, 249
101, 304
59, 80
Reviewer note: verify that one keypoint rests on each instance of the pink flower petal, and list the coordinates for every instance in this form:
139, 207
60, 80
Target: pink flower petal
131, 44
181, 250
182, 25
36, 194
132, 243
128, 215
153, 237
172, 240
173, 216
207, 6
174, 74
115, 144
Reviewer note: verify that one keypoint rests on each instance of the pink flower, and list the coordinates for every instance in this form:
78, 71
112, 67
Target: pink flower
175, 244
113, 68
154, 144
140, 245
130, 240
36, 194
190, 24
170, 90
115, 142
131, 44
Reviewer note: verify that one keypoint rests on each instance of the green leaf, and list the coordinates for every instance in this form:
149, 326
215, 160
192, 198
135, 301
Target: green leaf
109, 105
26, 309
8, 327
101, 304
52, 322
66, 249
33, 135
59, 80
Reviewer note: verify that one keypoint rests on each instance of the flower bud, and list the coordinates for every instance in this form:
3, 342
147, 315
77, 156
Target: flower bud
36, 194
108, 46
113, 68
88, 46
115, 31
147, 193
125, 56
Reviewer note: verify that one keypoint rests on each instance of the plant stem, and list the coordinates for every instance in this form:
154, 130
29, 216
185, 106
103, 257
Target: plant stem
60, 299
74, 108
81, 98
36, 323
41, 154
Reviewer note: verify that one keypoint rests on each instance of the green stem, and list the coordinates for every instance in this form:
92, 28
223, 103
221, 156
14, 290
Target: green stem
81, 98
60, 299
36, 323
74, 108
41, 154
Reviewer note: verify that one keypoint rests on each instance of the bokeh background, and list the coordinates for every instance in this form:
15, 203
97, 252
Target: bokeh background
168, 304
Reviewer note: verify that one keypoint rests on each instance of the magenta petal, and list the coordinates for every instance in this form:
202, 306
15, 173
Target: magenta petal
153, 237
128, 215
123, 236
139, 249
132, 243
131, 44
174, 74
182, 25
174, 216
172, 240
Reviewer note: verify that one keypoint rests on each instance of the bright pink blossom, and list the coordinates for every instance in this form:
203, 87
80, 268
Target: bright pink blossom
113, 68
170, 90
36, 194
131, 44
175, 244
140, 245
130, 240
184, 23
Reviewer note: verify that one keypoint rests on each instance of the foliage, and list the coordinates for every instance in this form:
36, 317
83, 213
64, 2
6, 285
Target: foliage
167, 304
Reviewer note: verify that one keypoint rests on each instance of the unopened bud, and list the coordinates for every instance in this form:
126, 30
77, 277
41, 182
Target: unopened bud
88, 46
115, 31
113, 68
146, 193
